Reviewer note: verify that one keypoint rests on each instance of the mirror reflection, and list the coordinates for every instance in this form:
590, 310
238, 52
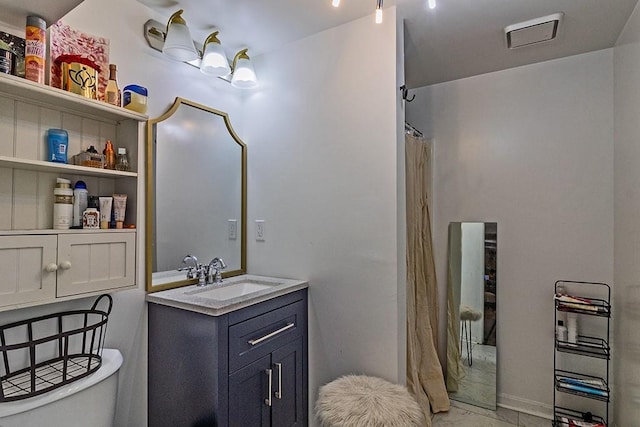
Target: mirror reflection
471, 302
196, 191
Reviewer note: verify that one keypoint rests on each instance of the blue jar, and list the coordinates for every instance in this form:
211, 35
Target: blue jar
58, 140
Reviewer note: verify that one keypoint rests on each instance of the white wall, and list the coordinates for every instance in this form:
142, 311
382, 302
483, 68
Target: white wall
121, 21
323, 163
627, 234
530, 148
322, 134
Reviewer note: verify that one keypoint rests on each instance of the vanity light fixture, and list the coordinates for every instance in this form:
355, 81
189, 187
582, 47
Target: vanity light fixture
244, 76
214, 60
178, 43
209, 57
432, 4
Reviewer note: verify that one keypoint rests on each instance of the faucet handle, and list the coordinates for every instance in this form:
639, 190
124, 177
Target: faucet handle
190, 271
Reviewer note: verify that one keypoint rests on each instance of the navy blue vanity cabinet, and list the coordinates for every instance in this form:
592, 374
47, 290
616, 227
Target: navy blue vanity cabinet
244, 368
270, 391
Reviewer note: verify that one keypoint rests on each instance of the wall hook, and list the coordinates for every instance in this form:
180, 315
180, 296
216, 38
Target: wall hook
405, 93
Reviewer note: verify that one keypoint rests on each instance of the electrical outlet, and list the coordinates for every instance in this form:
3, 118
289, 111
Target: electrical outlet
233, 229
260, 230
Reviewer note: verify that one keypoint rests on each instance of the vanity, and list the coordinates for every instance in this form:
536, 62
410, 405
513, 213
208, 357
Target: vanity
218, 357
224, 354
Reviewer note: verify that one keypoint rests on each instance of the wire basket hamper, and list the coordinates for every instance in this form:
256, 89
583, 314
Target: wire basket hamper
47, 352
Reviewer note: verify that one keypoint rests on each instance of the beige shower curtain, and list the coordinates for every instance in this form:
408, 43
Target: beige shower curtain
424, 372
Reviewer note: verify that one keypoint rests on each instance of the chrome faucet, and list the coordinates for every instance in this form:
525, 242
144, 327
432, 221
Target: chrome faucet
195, 271
214, 271
191, 270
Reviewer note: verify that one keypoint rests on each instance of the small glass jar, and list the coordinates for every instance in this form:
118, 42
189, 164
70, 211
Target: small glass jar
122, 162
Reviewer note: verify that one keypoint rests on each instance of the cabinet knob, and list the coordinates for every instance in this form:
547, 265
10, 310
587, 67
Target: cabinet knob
65, 265
50, 268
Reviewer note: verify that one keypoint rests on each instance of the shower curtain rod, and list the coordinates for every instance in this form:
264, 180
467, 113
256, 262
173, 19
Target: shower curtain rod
411, 130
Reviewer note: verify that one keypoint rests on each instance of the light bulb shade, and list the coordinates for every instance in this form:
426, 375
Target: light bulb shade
244, 76
178, 43
335, 3
214, 60
432, 4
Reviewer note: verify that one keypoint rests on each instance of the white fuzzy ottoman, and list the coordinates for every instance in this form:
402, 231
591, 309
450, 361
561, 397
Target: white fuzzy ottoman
362, 401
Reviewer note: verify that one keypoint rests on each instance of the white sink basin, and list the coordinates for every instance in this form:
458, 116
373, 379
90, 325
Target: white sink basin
232, 290
232, 294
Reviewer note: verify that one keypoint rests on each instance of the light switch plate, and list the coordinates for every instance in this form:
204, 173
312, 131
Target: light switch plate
233, 229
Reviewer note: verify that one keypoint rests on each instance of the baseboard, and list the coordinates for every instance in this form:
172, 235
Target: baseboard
526, 406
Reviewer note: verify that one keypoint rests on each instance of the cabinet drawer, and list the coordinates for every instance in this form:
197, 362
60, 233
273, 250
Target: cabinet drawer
256, 337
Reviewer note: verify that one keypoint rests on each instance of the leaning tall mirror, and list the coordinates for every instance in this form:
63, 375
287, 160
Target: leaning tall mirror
471, 302
196, 193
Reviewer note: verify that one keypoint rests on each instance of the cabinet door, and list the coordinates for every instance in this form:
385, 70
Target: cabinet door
288, 406
23, 263
248, 392
90, 262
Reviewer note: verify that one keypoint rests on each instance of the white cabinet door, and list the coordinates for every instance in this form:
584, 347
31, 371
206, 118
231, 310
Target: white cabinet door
27, 269
92, 262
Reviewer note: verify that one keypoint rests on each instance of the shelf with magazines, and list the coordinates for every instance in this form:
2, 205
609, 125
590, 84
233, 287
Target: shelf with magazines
585, 309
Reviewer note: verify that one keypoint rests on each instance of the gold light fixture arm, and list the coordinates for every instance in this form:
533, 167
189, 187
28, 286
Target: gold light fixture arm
240, 55
177, 18
211, 38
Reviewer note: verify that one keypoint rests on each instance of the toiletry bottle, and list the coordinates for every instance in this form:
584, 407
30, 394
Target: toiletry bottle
572, 329
91, 218
112, 92
109, 156
122, 163
58, 141
80, 202
561, 332
35, 49
62, 205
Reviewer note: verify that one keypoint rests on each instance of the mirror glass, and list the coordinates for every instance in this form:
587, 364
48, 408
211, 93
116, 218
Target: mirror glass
196, 193
471, 303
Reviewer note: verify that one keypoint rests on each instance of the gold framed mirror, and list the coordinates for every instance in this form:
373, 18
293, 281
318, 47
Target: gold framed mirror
196, 193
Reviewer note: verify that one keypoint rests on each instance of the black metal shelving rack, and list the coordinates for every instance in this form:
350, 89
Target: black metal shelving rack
598, 347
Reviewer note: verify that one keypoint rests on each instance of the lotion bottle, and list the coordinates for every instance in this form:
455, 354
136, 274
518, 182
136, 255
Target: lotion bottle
63, 204
561, 332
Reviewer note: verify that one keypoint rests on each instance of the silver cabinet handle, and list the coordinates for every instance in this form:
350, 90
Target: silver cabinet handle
269, 376
279, 392
272, 334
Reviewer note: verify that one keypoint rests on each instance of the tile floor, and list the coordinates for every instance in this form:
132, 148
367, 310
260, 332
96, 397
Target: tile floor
463, 415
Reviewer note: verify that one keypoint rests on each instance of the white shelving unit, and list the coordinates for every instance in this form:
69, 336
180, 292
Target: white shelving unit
41, 265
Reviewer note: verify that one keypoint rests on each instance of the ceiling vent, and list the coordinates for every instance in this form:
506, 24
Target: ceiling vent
534, 31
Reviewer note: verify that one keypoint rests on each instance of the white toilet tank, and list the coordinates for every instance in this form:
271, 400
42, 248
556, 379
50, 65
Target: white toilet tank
88, 402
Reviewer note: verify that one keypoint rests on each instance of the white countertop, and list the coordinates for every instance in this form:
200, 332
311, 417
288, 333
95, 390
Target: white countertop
187, 297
